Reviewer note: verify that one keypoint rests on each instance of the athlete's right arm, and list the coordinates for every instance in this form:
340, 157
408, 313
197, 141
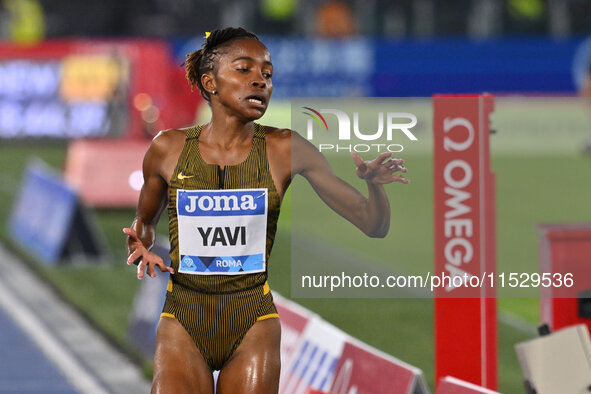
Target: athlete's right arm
152, 201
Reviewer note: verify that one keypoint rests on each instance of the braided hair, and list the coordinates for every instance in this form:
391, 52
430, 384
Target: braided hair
203, 60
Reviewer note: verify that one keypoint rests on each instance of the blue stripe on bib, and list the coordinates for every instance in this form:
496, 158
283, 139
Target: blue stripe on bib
222, 264
221, 202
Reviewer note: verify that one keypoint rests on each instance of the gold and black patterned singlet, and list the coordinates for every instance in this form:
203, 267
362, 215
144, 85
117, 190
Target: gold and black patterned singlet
218, 310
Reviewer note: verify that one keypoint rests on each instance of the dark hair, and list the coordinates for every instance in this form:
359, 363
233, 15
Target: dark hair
202, 60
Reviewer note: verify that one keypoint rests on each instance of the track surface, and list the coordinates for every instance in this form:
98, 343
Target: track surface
46, 347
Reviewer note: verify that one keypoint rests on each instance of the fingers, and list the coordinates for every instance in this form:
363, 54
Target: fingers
131, 232
380, 170
141, 267
400, 178
383, 159
393, 162
390, 166
387, 172
357, 159
365, 167
380, 159
147, 264
150, 270
157, 261
164, 268
143, 258
134, 256
394, 167
135, 247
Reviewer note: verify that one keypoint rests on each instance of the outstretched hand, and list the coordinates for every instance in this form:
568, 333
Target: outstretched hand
146, 259
381, 170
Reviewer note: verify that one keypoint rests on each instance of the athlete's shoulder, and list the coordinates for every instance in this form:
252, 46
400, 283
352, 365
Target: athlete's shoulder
170, 135
276, 132
281, 134
284, 137
167, 141
280, 139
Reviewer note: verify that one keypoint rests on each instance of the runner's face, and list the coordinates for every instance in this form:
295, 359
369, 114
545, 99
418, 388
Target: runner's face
243, 78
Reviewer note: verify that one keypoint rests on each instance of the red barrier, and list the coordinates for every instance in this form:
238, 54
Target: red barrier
106, 173
294, 320
465, 316
450, 385
317, 357
565, 250
364, 370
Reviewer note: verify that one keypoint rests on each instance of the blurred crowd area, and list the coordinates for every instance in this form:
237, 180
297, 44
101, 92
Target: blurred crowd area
27, 20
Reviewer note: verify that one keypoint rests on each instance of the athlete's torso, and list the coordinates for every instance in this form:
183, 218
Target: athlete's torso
193, 173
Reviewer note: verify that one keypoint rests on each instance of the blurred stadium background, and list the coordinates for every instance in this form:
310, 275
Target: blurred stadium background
85, 85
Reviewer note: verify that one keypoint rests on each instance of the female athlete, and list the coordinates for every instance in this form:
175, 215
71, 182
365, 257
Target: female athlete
222, 184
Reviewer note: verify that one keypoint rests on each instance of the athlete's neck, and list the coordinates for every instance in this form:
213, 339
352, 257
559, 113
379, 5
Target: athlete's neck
227, 132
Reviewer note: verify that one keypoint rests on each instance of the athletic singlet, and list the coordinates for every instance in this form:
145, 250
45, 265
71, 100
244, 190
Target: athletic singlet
193, 173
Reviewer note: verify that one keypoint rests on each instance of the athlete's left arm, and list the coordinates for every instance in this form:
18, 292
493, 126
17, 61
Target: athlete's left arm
372, 214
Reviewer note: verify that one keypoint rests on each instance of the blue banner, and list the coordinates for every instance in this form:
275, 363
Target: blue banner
43, 213
417, 68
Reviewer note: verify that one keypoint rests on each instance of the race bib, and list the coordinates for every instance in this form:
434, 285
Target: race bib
222, 231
